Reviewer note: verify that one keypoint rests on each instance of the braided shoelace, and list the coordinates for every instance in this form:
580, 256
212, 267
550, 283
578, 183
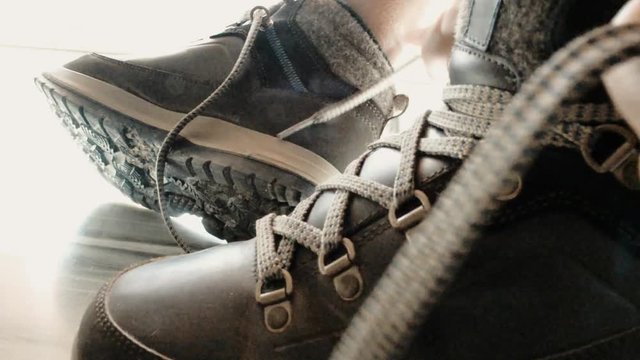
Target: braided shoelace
426, 264
259, 18
473, 110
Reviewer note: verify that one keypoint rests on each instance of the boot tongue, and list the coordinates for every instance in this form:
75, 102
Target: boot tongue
499, 43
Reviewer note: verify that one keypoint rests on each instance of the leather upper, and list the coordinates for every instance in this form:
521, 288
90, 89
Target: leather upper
555, 272
261, 98
468, 66
547, 276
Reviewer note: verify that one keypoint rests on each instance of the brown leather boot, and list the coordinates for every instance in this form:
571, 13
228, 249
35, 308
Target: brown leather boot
553, 276
237, 162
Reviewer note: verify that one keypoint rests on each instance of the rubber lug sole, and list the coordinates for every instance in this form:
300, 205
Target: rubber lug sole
229, 192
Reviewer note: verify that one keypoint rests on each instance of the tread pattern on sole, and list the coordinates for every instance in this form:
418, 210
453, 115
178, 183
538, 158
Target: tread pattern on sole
229, 201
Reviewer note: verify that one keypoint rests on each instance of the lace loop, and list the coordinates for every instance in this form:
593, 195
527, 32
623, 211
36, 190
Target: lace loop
275, 295
339, 264
462, 132
426, 264
413, 216
610, 162
258, 15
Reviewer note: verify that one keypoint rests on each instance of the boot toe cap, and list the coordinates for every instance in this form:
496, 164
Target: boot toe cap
100, 338
187, 307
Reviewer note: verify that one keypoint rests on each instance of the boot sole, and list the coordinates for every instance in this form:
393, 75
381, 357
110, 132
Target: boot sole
212, 172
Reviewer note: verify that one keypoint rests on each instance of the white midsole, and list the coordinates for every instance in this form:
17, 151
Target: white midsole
203, 131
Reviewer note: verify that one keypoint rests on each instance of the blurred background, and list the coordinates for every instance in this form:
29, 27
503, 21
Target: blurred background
64, 230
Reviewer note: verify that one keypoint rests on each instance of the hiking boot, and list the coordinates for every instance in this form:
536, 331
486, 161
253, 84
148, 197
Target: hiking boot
554, 274
237, 161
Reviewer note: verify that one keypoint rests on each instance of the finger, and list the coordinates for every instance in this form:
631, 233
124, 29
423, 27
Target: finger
623, 81
437, 42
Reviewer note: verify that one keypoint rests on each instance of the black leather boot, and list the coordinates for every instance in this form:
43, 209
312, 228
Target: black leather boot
237, 161
554, 274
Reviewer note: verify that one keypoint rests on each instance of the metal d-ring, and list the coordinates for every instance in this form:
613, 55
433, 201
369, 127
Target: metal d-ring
277, 307
347, 279
340, 264
618, 157
277, 295
511, 192
412, 217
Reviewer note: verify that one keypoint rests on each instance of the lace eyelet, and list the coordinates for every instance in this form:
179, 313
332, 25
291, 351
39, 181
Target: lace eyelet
349, 284
511, 192
276, 295
412, 217
277, 311
621, 162
277, 317
618, 157
340, 264
347, 279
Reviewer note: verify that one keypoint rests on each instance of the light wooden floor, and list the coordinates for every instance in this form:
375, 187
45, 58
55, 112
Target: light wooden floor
64, 230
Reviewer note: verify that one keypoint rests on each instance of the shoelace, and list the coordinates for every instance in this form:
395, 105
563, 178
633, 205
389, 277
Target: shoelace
259, 17
472, 111
484, 106
426, 263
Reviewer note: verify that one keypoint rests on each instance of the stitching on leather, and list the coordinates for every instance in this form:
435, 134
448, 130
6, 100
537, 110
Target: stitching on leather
565, 199
363, 239
601, 348
426, 180
107, 324
377, 113
432, 180
237, 31
373, 231
608, 219
600, 280
357, 112
514, 79
111, 332
472, 39
152, 72
536, 204
483, 43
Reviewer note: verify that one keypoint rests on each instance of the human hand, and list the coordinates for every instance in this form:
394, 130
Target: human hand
623, 81
437, 42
